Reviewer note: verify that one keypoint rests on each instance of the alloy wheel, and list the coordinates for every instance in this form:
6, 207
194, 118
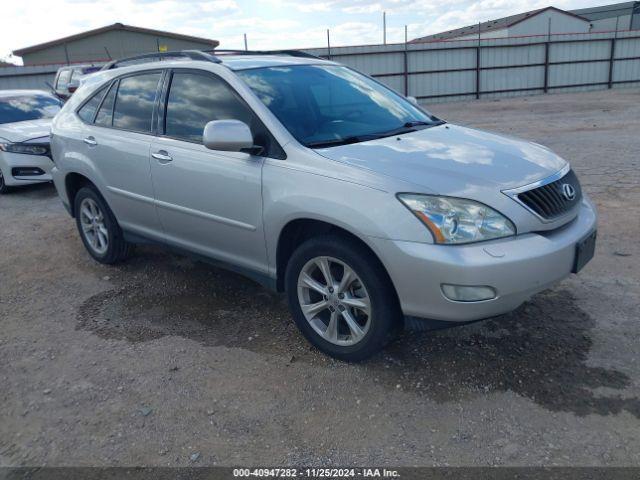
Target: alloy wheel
334, 300
93, 226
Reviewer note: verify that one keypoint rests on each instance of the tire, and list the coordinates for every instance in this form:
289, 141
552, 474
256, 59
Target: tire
368, 298
4, 188
98, 227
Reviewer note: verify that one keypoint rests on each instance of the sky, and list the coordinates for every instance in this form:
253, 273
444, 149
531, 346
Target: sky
269, 24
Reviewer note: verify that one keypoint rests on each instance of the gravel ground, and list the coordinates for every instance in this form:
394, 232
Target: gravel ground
168, 361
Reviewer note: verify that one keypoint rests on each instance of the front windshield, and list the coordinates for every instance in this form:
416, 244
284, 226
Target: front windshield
325, 105
21, 108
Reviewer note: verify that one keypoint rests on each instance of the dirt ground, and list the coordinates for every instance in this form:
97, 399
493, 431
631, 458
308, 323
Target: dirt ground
168, 361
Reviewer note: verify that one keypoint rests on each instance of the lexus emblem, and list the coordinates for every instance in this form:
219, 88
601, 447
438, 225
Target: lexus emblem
568, 191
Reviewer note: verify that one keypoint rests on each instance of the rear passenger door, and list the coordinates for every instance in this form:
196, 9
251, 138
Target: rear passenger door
118, 143
209, 202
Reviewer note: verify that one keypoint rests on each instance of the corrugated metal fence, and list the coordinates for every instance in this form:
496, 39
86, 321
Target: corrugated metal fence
458, 70
30, 78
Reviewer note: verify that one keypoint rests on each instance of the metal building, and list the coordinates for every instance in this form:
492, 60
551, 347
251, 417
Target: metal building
544, 21
616, 16
106, 43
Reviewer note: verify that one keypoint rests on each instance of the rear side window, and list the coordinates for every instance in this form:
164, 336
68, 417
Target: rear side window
134, 102
88, 110
105, 113
194, 100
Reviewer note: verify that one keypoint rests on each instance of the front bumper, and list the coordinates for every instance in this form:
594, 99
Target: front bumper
516, 267
16, 161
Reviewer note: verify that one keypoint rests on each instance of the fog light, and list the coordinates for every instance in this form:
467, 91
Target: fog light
26, 171
465, 293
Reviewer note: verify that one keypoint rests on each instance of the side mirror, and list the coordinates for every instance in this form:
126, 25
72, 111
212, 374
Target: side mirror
72, 86
413, 100
229, 136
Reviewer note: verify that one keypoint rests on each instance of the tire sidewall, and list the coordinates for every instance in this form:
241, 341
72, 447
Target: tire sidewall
384, 310
3, 186
112, 226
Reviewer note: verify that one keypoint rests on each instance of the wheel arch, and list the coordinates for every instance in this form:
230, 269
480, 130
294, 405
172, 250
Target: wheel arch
299, 230
73, 182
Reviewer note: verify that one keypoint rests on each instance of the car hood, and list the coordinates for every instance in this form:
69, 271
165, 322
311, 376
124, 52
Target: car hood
25, 131
450, 159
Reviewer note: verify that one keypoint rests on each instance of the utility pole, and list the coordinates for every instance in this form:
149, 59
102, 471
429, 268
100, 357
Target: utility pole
245, 42
384, 28
406, 36
328, 46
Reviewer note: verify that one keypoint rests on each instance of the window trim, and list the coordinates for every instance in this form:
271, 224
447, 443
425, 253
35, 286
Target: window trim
164, 100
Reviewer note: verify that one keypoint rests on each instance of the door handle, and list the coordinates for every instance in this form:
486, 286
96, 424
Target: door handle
162, 156
90, 141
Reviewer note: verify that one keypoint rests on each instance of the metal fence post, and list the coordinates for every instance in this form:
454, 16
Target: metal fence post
478, 61
478, 72
546, 67
612, 58
406, 69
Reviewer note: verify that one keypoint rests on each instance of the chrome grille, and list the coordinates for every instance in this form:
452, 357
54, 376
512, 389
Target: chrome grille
551, 200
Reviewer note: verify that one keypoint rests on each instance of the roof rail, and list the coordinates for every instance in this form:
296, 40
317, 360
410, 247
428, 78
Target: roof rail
291, 53
191, 54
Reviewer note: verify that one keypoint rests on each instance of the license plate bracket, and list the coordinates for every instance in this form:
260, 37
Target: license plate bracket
585, 249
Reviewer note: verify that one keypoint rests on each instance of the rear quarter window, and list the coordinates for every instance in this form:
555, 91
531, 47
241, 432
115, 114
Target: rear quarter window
88, 111
105, 114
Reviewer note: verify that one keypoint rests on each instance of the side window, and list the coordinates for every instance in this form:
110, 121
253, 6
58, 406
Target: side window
88, 110
105, 113
63, 79
194, 100
134, 102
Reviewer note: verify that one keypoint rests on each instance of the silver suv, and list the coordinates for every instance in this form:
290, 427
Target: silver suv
313, 179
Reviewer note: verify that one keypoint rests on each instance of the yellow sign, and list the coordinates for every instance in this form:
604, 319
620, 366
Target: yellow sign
162, 48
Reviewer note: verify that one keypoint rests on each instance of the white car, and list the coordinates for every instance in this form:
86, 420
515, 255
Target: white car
25, 122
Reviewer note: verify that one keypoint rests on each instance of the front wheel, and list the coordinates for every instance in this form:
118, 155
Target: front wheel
341, 298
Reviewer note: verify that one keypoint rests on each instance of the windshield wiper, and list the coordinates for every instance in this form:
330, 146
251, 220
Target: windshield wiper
408, 127
417, 123
337, 141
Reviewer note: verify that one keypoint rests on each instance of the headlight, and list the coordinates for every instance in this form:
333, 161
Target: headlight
24, 148
456, 220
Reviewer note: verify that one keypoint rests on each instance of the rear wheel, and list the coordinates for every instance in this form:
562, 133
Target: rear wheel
341, 298
98, 227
